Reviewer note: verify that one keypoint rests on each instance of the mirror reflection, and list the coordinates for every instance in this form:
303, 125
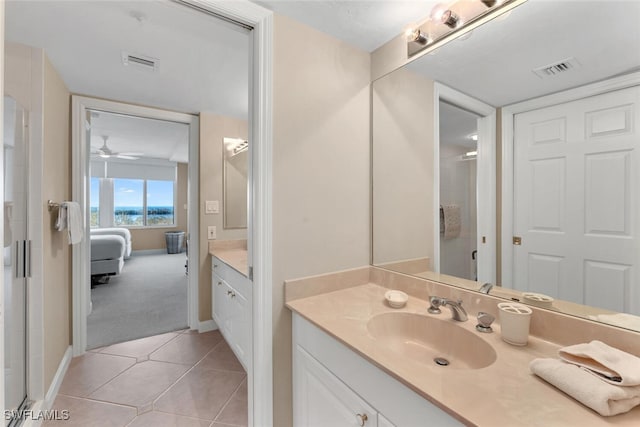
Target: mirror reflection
486, 169
234, 177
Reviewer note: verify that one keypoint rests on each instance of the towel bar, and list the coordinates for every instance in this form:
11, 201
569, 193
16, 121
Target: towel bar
51, 205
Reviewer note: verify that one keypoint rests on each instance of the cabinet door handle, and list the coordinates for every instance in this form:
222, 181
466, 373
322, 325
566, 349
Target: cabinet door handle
362, 419
229, 292
215, 265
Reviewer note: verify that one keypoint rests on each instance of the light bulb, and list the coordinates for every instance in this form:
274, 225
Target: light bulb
450, 18
417, 36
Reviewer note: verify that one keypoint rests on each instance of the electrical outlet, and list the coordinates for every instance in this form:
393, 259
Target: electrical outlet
211, 232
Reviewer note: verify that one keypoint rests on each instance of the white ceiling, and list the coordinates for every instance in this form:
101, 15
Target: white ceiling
154, 138
203, 61
495, 64
365, 24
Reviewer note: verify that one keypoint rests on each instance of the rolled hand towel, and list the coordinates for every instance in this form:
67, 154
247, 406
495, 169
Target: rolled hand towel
602, 397
613, 365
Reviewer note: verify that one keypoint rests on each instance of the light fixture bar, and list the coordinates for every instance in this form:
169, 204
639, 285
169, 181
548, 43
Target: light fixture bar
455, 24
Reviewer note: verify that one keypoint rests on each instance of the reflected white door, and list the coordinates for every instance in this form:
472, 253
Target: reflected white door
15, 252
576, 185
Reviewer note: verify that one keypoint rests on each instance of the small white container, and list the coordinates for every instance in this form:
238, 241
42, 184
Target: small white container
539, 300
396, 299
514, 322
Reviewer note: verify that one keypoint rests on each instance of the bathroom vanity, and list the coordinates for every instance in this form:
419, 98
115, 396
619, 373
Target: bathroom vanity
231, 298
357, 361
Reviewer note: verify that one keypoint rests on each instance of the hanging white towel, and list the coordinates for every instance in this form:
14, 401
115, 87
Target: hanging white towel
450, 217
8, 234
602, 397
608, 363
61, 221
74, 222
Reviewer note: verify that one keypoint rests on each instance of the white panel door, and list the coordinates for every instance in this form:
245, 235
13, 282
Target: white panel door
322, 400
576, 185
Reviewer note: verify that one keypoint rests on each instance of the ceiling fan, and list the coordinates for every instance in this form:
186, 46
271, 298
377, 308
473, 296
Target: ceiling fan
105, 152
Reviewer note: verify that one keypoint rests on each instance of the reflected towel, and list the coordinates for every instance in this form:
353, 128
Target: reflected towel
610, 364
8, 233
602, 397
624, 320
74, 222
450, 221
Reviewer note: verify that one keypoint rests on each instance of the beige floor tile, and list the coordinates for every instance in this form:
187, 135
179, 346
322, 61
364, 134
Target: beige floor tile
88, 372
89, 413
141, 384
162, 419
236, 412
187, 349
221, 357
140, 347
200, 393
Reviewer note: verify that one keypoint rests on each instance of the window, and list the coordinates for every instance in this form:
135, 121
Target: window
94, 202
160, 203
133, 193
128, 202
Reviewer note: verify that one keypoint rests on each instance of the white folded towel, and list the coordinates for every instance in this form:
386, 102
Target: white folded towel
602, 397
612, 365
450, 217
74, 222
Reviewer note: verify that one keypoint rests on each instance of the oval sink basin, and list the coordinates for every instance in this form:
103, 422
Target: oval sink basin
425, 339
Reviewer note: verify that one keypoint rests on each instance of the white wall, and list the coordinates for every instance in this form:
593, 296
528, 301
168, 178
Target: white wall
320, 172
403, 176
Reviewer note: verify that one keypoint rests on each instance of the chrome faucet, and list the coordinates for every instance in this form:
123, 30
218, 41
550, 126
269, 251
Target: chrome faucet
486, 288
457, 312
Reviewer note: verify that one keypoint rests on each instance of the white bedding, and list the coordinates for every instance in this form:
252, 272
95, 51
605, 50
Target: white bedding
122, 232
107, 254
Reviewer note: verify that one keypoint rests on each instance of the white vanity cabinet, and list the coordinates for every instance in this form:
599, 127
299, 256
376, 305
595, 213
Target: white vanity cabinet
333, 386
231, 305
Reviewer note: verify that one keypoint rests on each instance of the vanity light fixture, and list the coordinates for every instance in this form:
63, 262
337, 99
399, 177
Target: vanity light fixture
469, 155
453, 20
450, 19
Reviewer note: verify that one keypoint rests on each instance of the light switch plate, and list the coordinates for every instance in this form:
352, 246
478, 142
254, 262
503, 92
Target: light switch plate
211, 207
211, 232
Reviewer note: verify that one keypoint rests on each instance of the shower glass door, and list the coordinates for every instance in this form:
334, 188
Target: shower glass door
16, 258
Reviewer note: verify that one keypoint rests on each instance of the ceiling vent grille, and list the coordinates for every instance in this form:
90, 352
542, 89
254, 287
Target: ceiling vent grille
556, 68
139, 61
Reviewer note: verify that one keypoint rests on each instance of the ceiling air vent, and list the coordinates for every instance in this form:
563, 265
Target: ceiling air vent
556, 68
139, 61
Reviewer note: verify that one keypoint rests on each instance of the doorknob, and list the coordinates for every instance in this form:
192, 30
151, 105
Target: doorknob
517, 240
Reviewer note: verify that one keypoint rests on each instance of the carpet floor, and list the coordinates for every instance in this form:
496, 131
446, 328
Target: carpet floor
148, 297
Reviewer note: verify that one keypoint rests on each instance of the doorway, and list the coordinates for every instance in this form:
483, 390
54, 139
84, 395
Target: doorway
458, 191
481, 264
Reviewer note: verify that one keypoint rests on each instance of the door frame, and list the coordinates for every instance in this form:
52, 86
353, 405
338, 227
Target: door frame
81, 259
485, 183
508, 115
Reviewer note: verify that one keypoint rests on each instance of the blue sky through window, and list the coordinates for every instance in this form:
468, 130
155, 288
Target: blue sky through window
95, 192
159, 193
127, 192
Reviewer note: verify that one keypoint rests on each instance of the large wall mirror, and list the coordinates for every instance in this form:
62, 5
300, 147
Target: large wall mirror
234, 182
510, 156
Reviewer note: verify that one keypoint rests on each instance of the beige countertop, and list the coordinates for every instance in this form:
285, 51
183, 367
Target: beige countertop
504, 393
233, 254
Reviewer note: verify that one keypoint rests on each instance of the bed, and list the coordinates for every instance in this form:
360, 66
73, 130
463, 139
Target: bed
107, 254
115, 231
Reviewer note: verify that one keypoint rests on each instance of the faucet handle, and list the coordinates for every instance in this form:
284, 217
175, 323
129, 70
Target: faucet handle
484, 322
435, 302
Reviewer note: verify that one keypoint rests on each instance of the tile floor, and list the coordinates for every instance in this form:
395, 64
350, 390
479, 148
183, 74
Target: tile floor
178, 379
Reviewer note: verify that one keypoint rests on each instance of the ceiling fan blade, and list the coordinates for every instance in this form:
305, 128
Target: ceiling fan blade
126, 157
131, 153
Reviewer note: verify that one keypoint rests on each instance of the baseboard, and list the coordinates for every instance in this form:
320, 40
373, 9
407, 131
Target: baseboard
149, 252
207, 325
57, 379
